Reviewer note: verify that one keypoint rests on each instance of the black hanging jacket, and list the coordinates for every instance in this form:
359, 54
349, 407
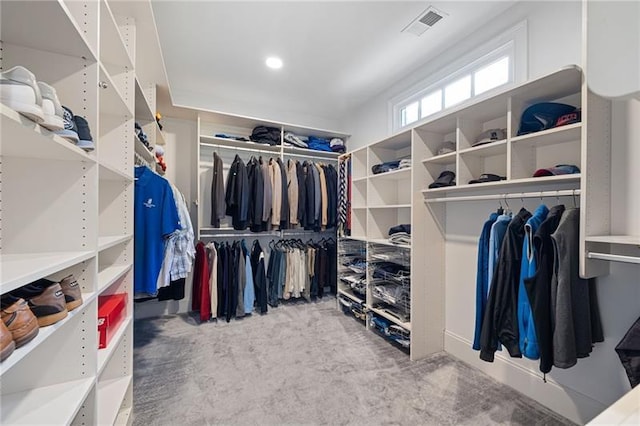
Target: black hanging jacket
237, 194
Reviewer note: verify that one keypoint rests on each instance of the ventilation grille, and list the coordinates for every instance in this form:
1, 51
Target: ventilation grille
424, 21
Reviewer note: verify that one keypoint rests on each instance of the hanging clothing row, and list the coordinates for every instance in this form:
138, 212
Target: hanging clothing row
529, 294
298, 269
267, 194
163, 237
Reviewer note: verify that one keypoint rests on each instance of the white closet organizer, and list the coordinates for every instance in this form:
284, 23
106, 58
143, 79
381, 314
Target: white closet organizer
208, 125
65, 211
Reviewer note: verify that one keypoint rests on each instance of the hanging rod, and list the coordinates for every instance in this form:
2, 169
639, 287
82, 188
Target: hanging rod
511, 195
317, 157
242, 235
614, 257
240, 148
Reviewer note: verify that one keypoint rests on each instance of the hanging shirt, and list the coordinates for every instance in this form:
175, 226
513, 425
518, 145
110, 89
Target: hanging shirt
155, 218
482, 275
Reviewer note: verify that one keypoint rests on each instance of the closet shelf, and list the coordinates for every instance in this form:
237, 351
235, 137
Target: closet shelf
486, 150
56, 404
397, 174
108, 172
104, 355
21, 269
390, 206
69, 38
356, 238
386, 242
144, 113
350, 295
392, 318
110, 396
553, 136
310, 153
112, 47
215, 142
111, 100
449, 158
360, 179
142, 151
109, 275
23, 138
631, 240
506, 184
44, 333
110, 241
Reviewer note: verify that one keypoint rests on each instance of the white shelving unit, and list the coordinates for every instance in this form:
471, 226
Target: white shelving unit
78, 217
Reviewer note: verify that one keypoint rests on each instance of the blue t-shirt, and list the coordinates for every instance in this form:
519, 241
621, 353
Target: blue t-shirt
155, 217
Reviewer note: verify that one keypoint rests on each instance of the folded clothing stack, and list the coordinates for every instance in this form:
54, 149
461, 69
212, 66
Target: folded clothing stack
319, 144
267, 135
299, 141
400, 234
384, 270
337, 145
391, 165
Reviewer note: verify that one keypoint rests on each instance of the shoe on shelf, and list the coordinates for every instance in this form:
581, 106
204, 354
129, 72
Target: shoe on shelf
46, 301
20, 92
70, 130
72, 292
53, 117
19, 319
84, 134
7, 345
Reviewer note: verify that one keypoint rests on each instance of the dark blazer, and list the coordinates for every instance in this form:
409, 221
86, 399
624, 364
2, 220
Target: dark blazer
309, 182
284, 212
218, 205
237, 194
256, 194
302, 193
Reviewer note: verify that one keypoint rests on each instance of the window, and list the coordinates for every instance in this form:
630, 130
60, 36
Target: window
490, 67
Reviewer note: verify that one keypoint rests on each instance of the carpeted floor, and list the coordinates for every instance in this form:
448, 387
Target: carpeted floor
307, 364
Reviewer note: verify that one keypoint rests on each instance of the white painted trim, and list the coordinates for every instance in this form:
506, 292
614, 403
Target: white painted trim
565, 401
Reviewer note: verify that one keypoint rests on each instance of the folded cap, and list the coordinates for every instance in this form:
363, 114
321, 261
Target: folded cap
446, 178
490, 135
446, 148
336, 141
487, 177
542, 116
560, 169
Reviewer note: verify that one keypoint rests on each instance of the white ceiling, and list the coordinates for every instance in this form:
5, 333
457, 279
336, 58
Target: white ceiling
336, 54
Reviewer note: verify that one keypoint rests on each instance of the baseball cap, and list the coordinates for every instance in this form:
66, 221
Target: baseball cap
446, 148
545, 115
487, 177
490, 135
560, 169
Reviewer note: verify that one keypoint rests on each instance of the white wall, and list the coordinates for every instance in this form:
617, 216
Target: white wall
554, 41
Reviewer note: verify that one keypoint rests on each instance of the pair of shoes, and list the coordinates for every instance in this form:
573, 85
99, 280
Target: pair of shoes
50, 301
36, 100
18, 327
142, 136
39, 102
76, 130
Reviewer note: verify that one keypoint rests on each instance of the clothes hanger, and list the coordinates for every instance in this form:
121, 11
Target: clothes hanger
573, 193
500, 210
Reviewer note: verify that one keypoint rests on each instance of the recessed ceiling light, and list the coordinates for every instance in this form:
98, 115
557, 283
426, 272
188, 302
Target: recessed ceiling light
274, 62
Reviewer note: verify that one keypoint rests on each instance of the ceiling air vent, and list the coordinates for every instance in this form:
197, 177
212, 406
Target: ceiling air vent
424, 21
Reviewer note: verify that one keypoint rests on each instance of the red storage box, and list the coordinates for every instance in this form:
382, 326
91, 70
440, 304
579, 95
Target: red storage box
111, 312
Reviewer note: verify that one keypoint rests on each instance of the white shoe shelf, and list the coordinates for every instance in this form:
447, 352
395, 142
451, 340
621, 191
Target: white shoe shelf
67, 211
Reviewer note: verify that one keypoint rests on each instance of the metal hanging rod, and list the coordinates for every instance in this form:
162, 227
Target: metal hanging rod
240, 148
241, 235
511, 195
614, 257
315, 157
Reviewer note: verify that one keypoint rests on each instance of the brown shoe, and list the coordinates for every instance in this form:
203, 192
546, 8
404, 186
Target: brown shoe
72, 292
46, 300
7, 345
20, 321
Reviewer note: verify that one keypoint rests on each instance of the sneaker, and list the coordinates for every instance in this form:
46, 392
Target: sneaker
19, 91
70, 130
72, 292
46, 301
19, 319
53, 116
84, 134
7, 345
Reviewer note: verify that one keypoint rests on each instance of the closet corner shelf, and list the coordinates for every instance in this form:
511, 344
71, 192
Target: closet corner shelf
397, 174
44, 333
109, 275
505, 184
350, 295
557, 135
486, 150
55, 404
144, 113
449, 158
49, 14
389, 206
110, 241
110, 396
111, 100
393, 319
109, 172
20, 269
104, 355
631, 240
24, 138
386, 242
112, 48
360, 179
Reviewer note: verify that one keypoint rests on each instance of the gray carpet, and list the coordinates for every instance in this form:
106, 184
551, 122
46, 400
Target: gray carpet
307, 364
